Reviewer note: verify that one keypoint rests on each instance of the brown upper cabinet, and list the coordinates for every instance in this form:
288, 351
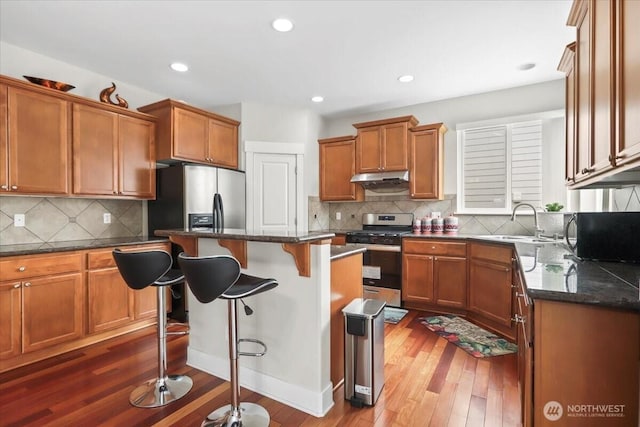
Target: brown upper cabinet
627, 94
34, 140
605, 90
113, 154
54, 143
382, 145
186, 133
567, 66
337, 166
426, 156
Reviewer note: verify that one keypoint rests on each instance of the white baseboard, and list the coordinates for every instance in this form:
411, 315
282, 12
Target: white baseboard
313, 403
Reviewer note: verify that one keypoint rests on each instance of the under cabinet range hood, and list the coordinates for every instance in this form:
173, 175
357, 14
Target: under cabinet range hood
383, 181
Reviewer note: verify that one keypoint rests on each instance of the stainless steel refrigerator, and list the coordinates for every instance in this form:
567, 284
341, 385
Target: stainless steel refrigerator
185, 191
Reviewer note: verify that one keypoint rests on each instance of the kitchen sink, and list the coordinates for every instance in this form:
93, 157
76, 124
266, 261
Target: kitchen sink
518, 238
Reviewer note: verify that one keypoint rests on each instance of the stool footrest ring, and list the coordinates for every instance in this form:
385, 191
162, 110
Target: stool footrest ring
251, 340
168, 331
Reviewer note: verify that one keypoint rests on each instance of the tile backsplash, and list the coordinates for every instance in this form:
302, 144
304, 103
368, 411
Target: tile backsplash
56, 219
322, 216
627, 199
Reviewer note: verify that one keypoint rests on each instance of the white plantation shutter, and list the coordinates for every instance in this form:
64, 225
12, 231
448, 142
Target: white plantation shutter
501, 163
485, 167
526, 162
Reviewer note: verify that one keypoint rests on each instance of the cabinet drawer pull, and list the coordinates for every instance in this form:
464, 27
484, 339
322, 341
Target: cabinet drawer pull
22, 268
517, 319
27, 284
519, 295
16, 286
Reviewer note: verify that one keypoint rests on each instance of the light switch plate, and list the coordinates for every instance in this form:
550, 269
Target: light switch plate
106, 218
19, 220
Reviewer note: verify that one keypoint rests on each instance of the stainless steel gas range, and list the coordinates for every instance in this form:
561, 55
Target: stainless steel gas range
382, 262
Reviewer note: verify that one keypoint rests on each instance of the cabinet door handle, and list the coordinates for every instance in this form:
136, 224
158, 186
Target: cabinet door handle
519, 295
517, 319
4, 186
16, 286
617, 157
27, 284
14, 187
586, 171
22, 268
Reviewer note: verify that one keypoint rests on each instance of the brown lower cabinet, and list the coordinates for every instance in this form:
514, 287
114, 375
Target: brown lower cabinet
434, 273
491, 294
53, 303
586, 365
346, 284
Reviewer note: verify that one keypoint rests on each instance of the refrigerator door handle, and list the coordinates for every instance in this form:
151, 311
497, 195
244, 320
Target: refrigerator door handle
215, 212
218, 213
221, 210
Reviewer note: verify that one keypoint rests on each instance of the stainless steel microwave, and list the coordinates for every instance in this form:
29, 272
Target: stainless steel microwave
608, 236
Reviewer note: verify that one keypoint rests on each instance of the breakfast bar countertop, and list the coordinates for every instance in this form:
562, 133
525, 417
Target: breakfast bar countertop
272, 236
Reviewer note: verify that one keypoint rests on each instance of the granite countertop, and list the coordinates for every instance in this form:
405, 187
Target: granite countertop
552, 272
74, 245
343, 251
272, 236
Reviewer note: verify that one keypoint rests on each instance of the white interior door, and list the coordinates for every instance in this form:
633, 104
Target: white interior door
275, 186
274, 191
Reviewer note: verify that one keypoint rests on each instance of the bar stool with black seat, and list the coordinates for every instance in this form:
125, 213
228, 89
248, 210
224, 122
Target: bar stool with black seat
219, 276
153, 268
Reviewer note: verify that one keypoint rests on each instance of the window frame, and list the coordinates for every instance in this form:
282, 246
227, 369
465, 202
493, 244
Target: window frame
504, 121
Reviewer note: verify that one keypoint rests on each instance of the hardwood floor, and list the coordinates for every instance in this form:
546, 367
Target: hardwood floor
428, 382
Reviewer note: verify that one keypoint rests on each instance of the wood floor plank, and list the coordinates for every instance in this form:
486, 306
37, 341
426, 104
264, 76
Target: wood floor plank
481, 381
428, 382
493, 410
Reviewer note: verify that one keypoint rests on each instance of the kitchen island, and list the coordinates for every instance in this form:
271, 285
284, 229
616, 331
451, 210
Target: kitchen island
293, 319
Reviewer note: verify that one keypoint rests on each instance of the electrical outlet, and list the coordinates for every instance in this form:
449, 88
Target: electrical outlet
106, 218
338, 216
19, 220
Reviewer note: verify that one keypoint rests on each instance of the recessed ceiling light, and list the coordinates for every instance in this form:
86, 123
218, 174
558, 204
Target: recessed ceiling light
282, 24
406, 78
178, 66
317, 99
526, 66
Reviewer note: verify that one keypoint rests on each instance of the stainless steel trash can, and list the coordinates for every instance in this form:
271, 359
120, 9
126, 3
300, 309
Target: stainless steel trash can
363, 351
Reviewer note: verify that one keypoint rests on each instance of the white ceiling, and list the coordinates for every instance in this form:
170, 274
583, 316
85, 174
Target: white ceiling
350, 52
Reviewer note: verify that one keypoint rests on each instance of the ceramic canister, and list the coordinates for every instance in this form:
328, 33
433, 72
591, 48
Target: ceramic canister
437, 225
417, 226
451, 224
426, 225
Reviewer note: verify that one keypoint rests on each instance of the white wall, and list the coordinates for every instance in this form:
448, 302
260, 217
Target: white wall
503, 103
272, 123
16, 62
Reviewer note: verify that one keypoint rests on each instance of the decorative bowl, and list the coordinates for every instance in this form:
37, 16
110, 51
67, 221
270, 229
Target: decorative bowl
64, 87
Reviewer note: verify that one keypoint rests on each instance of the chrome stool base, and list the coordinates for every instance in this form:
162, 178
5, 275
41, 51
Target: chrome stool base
160, 391
251, 415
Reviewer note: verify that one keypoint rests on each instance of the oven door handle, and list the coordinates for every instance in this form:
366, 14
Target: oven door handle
380, 248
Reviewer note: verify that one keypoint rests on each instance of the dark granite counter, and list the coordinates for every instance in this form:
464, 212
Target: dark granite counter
552, 272
271, 236
343, 251
74, 245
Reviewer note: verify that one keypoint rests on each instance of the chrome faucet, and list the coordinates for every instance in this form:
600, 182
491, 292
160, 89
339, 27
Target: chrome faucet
538, 230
